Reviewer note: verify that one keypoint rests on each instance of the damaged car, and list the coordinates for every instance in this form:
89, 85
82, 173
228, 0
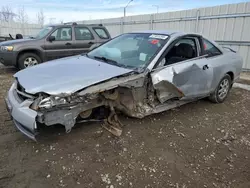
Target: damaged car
138, 74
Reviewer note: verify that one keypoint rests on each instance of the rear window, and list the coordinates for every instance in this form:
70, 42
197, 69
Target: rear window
101, 33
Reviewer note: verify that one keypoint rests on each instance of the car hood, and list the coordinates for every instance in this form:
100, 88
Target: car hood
15, 41
66, 76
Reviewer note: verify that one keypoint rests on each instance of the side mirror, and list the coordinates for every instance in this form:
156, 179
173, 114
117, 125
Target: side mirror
19, 36
52, 38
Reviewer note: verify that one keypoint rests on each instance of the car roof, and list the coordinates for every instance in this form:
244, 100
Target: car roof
69, 24
167, 32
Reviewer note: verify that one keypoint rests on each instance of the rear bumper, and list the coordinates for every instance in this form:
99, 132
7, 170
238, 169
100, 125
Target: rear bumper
23, 117
8, 58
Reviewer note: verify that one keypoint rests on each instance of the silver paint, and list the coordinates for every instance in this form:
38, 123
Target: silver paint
67, 75
84, 81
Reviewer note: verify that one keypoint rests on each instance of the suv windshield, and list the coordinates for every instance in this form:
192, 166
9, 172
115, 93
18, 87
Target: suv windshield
42, 33
134, 50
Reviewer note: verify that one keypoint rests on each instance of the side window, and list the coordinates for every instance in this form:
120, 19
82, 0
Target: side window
182, 50
64, 33
83, 33
101, 33
210, 49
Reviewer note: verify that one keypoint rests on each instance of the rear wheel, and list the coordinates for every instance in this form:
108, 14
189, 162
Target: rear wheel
28, 60
222, 90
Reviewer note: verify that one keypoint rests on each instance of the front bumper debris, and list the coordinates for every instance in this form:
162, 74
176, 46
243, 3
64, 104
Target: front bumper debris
23, 117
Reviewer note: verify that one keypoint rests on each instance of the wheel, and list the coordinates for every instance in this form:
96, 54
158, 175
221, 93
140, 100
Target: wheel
222, 90
27, 60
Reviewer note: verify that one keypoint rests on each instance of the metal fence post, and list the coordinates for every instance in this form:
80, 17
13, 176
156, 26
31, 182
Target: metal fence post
122, 25
197, 21
151, 22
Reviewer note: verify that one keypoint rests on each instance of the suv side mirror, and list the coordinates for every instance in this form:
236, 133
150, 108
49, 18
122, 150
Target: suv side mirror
52, 38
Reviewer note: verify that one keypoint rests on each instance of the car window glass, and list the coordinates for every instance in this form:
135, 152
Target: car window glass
83, 33
101, 33
131, 50
62, 34
183, 50
42, 33
210, 49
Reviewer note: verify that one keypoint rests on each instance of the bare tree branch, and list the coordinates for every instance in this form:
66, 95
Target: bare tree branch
6, 14
22, 16
40, 18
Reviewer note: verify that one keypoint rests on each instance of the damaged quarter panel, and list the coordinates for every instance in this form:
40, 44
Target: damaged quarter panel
220, 65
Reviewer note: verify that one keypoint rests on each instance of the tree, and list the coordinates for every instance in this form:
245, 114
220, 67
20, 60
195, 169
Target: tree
6, 14
22, 16
40, 17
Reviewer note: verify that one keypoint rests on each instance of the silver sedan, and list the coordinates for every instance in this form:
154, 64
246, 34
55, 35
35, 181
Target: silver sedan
138, 74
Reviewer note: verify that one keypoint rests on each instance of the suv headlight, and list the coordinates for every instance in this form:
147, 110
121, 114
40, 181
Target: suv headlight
7, 48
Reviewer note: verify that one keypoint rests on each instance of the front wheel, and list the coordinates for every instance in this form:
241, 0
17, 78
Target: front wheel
222, 90
27, 60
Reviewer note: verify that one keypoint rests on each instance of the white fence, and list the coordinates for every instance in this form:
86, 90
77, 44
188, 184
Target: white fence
14, 28
227, 24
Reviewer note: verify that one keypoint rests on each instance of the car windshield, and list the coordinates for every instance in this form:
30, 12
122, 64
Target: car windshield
42, 33
133, 50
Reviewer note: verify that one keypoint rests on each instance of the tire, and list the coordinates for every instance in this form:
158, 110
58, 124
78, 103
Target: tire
27, 60
221, 92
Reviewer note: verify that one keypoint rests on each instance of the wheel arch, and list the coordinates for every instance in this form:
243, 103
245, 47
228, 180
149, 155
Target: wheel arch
35, 51
231, 74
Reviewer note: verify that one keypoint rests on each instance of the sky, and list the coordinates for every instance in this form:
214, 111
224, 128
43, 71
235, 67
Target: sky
75, 10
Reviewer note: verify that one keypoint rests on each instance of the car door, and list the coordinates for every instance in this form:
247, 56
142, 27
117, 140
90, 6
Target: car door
62, 45
185, 74
84, 39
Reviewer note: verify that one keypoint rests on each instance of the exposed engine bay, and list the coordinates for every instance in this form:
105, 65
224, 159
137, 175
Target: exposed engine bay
135, 97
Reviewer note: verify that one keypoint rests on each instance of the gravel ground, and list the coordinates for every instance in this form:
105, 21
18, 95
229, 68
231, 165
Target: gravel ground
197, 145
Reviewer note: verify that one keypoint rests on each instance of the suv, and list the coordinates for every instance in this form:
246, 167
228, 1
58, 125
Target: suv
52, 42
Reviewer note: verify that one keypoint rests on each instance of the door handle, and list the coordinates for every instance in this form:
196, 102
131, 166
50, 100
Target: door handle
205, 67
68, 44
91, 43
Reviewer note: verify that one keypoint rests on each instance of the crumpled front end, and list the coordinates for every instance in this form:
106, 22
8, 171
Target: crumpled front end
133, 95
23, 117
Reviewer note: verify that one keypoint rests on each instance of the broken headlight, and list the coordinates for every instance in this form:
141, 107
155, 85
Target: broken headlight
49, 102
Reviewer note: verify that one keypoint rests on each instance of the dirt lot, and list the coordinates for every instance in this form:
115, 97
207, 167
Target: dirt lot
197, 145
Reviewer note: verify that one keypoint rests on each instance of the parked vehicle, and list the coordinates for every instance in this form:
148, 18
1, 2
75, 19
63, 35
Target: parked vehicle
135, 73
52, 42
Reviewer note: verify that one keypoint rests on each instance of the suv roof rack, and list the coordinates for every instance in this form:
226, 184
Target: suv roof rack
95, 24
74, 23
70, 23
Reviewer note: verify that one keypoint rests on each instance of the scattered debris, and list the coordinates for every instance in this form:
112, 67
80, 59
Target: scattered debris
113, 124
105, 178
179, 133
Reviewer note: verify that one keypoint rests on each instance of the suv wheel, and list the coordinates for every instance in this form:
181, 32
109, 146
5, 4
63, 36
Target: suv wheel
222, 90
28, 60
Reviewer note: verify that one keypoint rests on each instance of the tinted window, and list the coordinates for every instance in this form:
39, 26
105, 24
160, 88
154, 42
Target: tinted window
83, 33
101, 33
210, 49
64, 33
